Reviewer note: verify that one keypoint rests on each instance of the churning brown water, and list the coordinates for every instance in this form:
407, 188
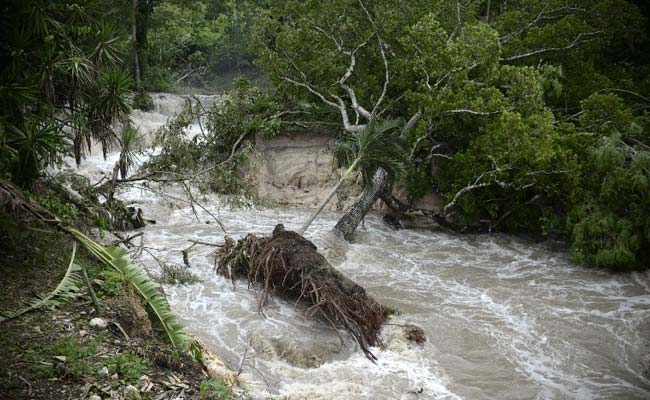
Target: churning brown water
504, 318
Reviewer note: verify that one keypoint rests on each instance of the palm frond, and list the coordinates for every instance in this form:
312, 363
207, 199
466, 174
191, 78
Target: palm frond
78, 69
128, 141
376, 146
37, 145
65, 291
148, 289
106, 51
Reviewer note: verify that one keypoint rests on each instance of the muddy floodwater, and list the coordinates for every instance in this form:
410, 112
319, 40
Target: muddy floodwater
504, 318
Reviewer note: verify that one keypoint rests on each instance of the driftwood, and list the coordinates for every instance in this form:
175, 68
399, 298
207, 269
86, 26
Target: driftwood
289, 265
14, 202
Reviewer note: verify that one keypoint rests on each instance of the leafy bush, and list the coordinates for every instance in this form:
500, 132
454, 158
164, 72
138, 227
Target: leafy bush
114, 282
173, 274
142, 101
79, 358
65, 211
220, 152
611, 225
128, 365
214, 389
35, 146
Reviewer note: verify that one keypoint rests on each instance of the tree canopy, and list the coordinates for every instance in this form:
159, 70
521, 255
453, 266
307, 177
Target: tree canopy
516, 105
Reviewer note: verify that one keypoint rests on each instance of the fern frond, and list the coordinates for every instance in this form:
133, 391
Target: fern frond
65, 291
148, 289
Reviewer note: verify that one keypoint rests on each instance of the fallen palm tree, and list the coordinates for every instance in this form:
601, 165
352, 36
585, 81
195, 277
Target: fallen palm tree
289, 265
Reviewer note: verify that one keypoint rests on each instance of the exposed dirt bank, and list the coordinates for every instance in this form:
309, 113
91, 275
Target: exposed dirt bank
297, 169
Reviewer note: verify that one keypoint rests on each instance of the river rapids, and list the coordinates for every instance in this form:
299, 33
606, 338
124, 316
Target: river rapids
504, 318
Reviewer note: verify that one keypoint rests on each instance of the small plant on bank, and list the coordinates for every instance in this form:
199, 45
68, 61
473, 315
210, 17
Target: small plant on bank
128, 365
113, 282
69, 357
214, 389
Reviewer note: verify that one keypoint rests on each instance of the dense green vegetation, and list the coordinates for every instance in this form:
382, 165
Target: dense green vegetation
533, 114
528, 115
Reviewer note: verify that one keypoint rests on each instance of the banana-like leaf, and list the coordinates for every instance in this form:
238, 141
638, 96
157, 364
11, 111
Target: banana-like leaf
140, 280
65, 291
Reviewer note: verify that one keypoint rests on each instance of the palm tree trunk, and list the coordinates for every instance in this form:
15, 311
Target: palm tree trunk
380, 185
323, 203
136, 47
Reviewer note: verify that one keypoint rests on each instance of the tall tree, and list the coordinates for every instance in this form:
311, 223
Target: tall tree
458, 80
135, 44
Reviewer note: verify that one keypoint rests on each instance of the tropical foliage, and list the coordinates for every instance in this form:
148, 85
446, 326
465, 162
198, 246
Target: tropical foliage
217, 152
196, 43
527, 115
517, 104
146, 287
377, 146
63, 82
67, 289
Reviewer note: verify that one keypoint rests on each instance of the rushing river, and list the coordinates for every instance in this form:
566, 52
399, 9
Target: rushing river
503, 318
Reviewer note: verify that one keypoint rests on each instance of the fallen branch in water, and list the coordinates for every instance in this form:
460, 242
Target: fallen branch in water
125, 240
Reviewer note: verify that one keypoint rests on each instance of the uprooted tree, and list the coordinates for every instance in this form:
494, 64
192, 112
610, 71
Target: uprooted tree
289, 265
472, 82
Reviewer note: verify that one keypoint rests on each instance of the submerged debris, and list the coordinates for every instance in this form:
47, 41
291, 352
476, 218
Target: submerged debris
289, 265
174, 274
414, 333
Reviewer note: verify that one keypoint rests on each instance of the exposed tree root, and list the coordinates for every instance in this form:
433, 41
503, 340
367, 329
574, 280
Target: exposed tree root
290, 266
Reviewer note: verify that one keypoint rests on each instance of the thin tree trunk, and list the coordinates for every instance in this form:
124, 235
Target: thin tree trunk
134, 40
91, 291
323, 203
487, 13
380, 185
111, 192
235, 17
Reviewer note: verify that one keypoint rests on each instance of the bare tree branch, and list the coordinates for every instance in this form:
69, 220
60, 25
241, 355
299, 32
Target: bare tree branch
348, 73
339, 106
625, 91
543, 15
412, 121
473, 112
575, 43
386, 77
525, 28
459, 23
476, 185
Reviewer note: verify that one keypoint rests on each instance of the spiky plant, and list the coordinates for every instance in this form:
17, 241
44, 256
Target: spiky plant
106, 51
128, 143
148, 289
37, 146
66, 290
108, 104
377, 145
77, 74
